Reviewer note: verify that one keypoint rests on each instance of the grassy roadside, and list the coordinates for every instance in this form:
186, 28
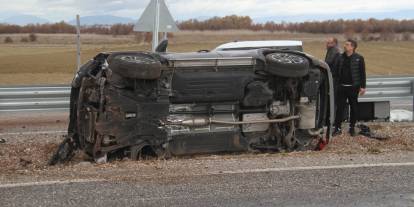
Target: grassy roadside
52, 59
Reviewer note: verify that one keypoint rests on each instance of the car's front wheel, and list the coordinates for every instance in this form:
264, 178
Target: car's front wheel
135, 65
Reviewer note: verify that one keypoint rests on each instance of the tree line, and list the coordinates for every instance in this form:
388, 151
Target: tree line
233, 22
339, 26
63, 27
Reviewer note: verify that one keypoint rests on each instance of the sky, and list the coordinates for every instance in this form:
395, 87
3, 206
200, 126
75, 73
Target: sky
280, 10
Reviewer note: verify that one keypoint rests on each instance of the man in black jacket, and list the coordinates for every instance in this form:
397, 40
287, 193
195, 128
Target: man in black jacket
351, 78
332, 52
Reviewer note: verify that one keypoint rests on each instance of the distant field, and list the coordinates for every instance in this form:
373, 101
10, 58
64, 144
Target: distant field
52, 58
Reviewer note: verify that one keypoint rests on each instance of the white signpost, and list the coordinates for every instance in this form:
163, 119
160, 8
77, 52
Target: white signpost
156, 18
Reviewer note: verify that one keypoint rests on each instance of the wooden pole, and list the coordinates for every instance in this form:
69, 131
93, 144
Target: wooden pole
78, 43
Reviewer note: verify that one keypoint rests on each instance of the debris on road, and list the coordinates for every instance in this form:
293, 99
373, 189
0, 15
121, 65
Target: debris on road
2, 141
25, 162
366, 131
65, 151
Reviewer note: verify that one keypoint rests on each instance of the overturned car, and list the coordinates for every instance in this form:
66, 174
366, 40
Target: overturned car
140, 104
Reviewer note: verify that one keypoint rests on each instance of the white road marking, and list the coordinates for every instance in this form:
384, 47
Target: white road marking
42, 183
34, 132
350, 166
317, 168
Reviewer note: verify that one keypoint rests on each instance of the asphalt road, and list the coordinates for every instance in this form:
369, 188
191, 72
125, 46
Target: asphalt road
334, 186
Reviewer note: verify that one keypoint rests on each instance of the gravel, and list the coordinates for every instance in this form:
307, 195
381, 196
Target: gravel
26, 156
401, 137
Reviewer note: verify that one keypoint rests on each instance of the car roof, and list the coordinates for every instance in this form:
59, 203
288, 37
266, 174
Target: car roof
259, 44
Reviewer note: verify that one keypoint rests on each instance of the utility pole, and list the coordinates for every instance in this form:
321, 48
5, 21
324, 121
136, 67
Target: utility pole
78, 43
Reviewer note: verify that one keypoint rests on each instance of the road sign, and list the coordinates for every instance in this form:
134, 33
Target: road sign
156, 18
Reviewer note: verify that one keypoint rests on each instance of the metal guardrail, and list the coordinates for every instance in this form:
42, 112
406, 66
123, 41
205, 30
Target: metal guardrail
43, 97
387, 88
56, 97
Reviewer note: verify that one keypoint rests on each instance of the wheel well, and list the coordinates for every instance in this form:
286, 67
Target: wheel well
147, 152
144, 152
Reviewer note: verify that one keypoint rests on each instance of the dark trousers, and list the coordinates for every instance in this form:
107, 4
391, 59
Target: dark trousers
345, 93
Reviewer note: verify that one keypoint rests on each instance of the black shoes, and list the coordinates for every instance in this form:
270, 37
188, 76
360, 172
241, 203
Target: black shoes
337, 131
352, 132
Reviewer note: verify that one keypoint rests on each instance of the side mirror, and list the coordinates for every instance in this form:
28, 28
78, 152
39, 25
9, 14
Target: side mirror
162, 47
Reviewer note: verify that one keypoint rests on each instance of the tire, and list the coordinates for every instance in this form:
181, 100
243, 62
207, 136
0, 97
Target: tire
135, 65
287, 65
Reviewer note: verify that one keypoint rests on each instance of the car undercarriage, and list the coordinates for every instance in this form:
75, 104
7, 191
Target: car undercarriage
138, 104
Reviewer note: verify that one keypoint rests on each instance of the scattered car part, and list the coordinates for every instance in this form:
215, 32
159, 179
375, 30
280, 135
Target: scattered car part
65, 152
367, 132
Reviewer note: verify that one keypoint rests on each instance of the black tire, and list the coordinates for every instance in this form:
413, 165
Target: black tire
287, 65
135, 65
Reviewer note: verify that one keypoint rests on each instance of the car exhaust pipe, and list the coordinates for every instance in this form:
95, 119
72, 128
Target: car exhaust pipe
205, 121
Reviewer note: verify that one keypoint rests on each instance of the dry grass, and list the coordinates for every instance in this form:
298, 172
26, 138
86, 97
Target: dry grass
52, 58
35, 78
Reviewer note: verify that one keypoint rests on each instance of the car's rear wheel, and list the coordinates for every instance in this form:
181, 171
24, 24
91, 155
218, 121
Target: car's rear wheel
287, 65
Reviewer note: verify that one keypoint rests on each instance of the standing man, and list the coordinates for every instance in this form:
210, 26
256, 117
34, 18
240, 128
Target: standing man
352, 82
332, 52
332, 55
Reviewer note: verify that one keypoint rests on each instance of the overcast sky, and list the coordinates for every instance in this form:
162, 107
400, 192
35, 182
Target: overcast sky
56, 10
